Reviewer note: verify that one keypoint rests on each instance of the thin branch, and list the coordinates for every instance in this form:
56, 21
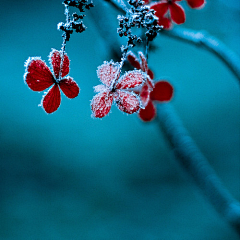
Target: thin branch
195, 163
204, 40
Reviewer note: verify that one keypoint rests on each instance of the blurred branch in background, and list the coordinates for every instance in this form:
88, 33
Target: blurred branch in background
106, 28
186, 151
195, 163
204, 40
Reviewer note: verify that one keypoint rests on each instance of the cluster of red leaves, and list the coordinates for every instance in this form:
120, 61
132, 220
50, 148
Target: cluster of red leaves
39, 77
121, 90
169, 11
116, 88
161, 91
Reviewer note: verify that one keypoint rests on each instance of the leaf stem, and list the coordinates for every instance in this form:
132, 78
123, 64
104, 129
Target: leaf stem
62, 52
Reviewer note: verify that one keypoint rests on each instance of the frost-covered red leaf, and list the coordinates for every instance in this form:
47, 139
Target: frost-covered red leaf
100, 88
38, 75
116, 89
107, 72
55, 59
69, 87
145, 94
144, 65
150, 73
101, 104
160, 91
127, 101
133, 60
131, 79
51, 101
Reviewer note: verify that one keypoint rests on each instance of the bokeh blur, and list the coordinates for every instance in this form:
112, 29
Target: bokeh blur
69, 176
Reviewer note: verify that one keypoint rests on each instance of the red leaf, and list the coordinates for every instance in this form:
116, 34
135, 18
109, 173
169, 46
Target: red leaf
150, 73
165, 22
131, 79
144, 65
177, 13
52, 100
65, 66
145, 94
55, 59
127, 101
196, 3
133, 60
38, 76
163, 92
101, 104
148, 113
107, 72
160, 8
69, 87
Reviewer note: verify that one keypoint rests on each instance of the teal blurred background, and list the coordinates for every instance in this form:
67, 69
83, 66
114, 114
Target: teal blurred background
68, 176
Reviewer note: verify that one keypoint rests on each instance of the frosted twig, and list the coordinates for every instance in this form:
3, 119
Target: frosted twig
62, 52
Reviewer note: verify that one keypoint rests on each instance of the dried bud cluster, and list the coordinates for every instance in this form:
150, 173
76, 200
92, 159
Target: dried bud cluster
80, 4
74, 24
140, 16
69, 27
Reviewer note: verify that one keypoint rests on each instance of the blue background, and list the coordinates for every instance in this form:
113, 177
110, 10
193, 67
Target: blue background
69, 176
